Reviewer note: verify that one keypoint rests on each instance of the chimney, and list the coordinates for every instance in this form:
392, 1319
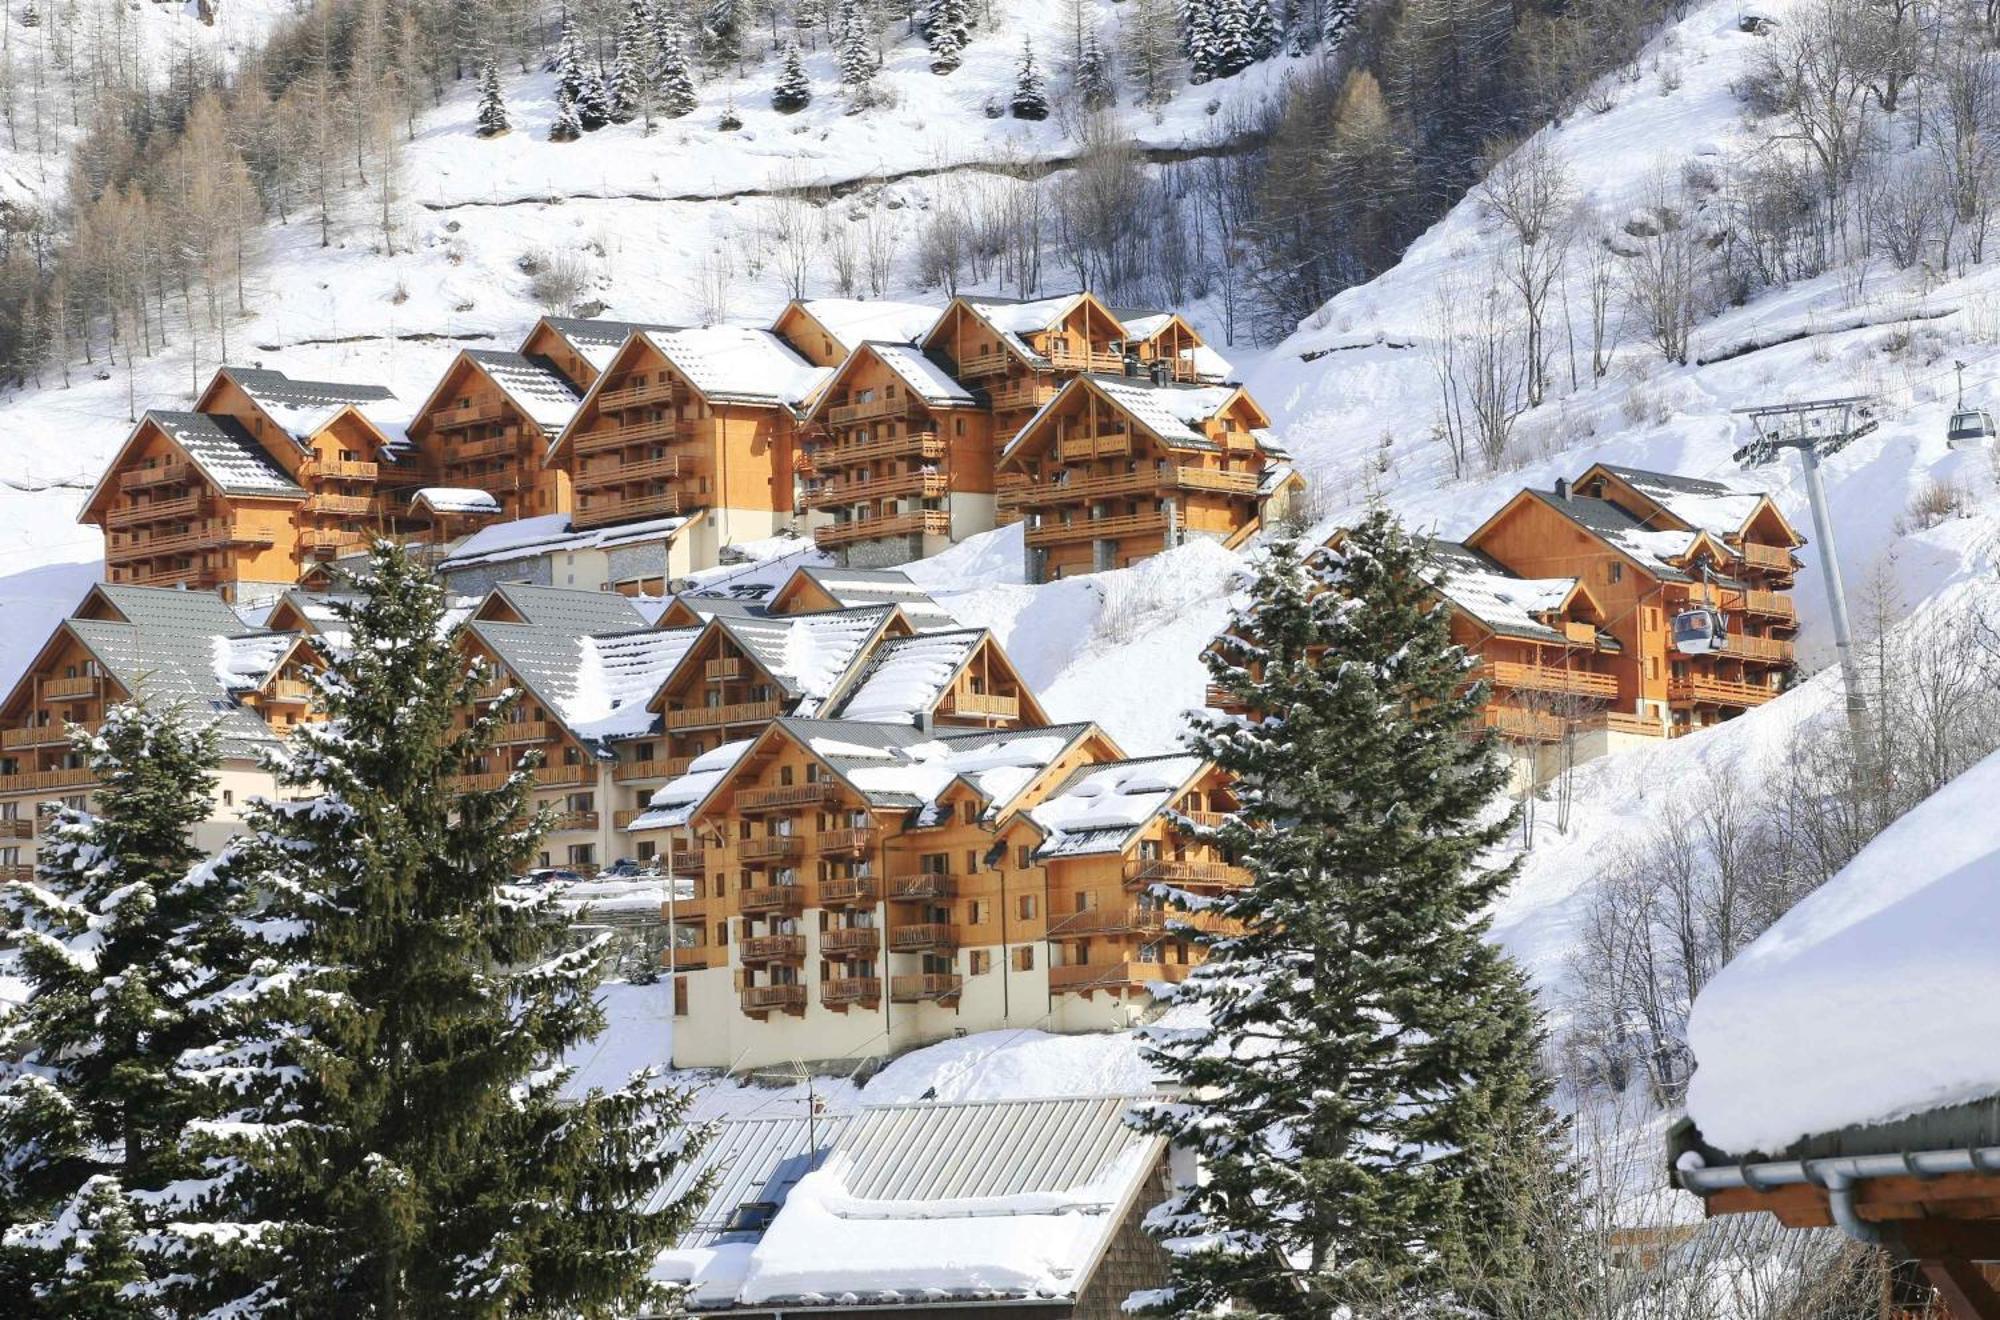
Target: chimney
1131, 364
1562, 489
1159, 373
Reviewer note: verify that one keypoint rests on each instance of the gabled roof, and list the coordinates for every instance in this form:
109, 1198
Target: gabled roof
904, 678
1496, 596
304, 408
851, 321
852, 588
1012, 318
535, 387
1101, 808
225, 452
596, 340
922, 377
551, 650
752, 1160
618, 675
459, 501
805, 655
1711, 506
735, 364
1174, 413
1646, 547
929, 1203
550, 533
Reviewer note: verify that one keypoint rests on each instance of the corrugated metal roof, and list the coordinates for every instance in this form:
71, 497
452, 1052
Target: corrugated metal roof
753, 1160
939, 1152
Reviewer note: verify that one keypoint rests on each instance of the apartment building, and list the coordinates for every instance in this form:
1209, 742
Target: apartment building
1116, 468
1017, 353
581, 347
1153, 335
824, 331
486, 427
896, 458
164, 645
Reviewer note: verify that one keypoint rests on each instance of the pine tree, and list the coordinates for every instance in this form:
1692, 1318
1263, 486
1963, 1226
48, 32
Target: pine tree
1094, 85
947, 27
1230, 40
492, 110
628, 89
1363, 1093
1031, 98
722, 32
851, 47
794, 90
124, 936
673, 83
1266, 35
592, 108
569, 64
1199, 40
398, 1130
567, 127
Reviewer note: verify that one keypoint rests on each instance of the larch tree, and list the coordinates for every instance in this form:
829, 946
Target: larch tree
1363, 1092
492, 109
1030, 99
124, 937
1150, 35
398, 1142
793, 92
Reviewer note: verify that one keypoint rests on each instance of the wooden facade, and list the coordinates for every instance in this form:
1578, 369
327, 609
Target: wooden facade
487, 427
1119, 468
1018, 354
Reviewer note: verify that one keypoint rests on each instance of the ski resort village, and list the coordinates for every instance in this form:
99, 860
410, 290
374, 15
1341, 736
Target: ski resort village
1056, 660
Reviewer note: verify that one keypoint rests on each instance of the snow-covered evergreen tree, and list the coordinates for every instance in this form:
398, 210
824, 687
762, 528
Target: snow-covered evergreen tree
567, 127
1031, 97
852, 48
569, 63
628, 88
492, 109
794, 90
947, 27
673, 82
593, 109
1198, 40
1094, 84
398, 1141
125, 936
1364, 1089
1265, 33
722, 31
1227, 41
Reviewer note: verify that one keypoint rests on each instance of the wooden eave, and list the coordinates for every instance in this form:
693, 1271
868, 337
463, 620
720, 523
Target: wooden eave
586, 407
104, 481
1507, 511
760, 748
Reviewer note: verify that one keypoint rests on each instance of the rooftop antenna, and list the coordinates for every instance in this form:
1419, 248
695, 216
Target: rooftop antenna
1818, 429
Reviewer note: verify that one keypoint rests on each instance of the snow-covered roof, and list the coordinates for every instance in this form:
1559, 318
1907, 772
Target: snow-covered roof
227, 454
456, 499
1015, 317
1876, 998
597, 340
1709, 505
923, 377
856, 587
1142, 323
304, 407
550, 533
1650, 547
751, 1160
907, 675
617, 676
1101, 807
555, 654
736, 364
933, 1202
1172, 412
806, 654
1497, 597
852, 321
244, 663
531, 384
1209, 365
675, 802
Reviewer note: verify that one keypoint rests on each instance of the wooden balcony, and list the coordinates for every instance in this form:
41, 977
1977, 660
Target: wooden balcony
847, 842
1701, 690
603, 439
1064, 357
198, 576
785, 900
343, 469
18, 873
913, 485
447, 419
1018, 395
34, 735
1084, 448
974, 365
1099, 529
1526, 725
919, 989
926, 522
1511, 674
841, 992
1773, 558
340, 504
669, 767
565, 776
331, 540
842, 891
687, 861
923, 886
46, 781
287, 692
1167, 870
985, 705
771, 948
1769, 650
70, 686
718, 671
574, 820
522, 731
1770, 604
771, 848
1150, 480
159, 474
757, 1000
597, 475
18, 827
490, 446
714, 717
869, 409
1131, 919
850, 942
174, 510
923, 445
203, 535
787, 795
924, 937
605, 509
623, 818
1207, 820
1118, 977
640, 395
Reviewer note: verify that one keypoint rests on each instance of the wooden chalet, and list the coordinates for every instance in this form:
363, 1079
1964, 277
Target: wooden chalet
264, 476
1116, 468
1017, 354
1644, 563
1155, 336
166, 645
824, 331
580, 347
694, 420
897, 458
486, 426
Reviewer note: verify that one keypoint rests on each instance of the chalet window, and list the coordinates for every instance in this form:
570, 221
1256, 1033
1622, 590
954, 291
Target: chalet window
975, 912
1024, 856
812, 774
934, 864
680, 996
722, 934
1025, 907
743, 829
1086, 901
1024, 958
1616, 572
980, 963
642, 752
969, 812
972, 861
785, 776
582, 854
647, 850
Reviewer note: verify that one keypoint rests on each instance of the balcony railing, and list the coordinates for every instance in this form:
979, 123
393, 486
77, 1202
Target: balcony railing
1066, 358
1548, 678
688, 861
1083, 448
16, 872
34, 735
914, 485
1703, 690
786, 795
331, 538
771, 898
760, 999
1776, 604
340, 504
1122, 976
1098, 529
574, 820
772, 848
522, 731
771, 948
127, 515
445, 419
667, 767
923, 936
1167, 870
847, 841
1530, 725
1773, 650
866, 409
196, 536
77, 685
986, 704
341, 469
159, 474
634, 396
610, 472
841, 991
43, 781
910, 444
985, 364
1173, 476
288, 691
603, 509
928, 522
1773, 557
842, 890
728, 667
18, 827
1023, 393
924, 885
916, 989
850, 942
710, 717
